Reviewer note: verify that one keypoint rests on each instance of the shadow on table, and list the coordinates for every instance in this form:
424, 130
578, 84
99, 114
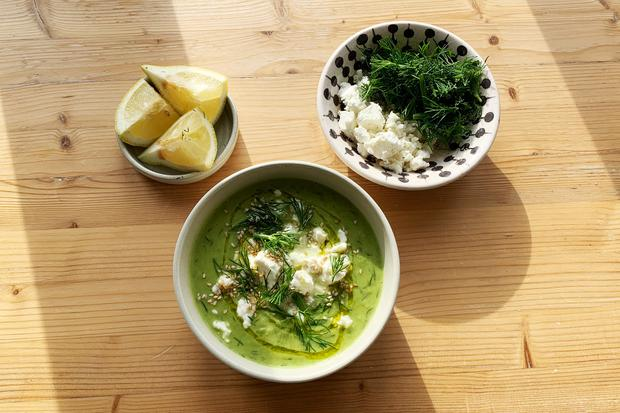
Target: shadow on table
597, 106
385, 378
464, 248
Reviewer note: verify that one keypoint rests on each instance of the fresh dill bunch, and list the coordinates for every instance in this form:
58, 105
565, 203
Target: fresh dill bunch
429, 86
278, 242
338, 264
302, 211
263, 216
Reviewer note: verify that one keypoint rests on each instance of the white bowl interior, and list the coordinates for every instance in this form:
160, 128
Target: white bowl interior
260, 173
445, 165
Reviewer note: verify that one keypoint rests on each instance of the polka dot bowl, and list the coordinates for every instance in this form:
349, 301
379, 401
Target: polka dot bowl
445, 165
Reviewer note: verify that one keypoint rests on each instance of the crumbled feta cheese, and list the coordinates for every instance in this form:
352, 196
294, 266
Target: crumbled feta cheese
277, 192
345, 321
299, 256
339, 247
347, 122
319, 235
361, 134
224, 282
351, 97
223, 327
342, 236
327, 277
393, 141
245, 310
266, 267
302, 282
371, 118
384, 145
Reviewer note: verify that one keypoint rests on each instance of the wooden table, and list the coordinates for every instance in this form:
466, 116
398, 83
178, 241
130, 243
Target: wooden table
510, 285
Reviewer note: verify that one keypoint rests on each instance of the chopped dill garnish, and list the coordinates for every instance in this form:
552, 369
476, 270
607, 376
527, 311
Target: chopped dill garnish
280, 290
238, 341
302, 211
278, 242
308, 327
263, 216
429, 86
338, 264
242, 271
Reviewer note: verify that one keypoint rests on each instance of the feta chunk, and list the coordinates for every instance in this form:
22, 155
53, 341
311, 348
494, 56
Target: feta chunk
342, 236
345, 321
265, 266
350, 96
339, 247
302, 282
223, 283
319, 235
347, 122
245, 310
384, 145
223, 327
371, 118
361, 134
327, 277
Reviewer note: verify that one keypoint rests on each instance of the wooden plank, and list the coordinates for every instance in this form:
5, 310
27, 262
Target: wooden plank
509, 299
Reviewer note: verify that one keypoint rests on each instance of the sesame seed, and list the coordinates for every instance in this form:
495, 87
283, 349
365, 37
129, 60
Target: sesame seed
355, 221
226, 211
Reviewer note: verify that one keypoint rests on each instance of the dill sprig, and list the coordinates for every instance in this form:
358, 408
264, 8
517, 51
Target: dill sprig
338, 264
263, 216
242, 271
429, 86
280, 291
309, 329
278, 242
302, 211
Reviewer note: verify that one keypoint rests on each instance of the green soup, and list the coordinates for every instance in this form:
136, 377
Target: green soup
301, 328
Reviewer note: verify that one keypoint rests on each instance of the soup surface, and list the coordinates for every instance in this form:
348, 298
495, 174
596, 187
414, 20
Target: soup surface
286, 272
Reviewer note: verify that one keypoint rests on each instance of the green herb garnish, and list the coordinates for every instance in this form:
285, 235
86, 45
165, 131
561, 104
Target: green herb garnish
263, 216
429, 86
302, 211
278, 242
338, 264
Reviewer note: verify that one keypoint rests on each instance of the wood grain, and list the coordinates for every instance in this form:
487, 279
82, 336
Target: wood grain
510, 295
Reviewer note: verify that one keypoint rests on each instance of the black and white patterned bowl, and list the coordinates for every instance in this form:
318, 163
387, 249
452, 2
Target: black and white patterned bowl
445, 165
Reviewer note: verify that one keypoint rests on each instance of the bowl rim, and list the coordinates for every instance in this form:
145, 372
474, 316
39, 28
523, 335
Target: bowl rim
422, 185
264, 372
188, 177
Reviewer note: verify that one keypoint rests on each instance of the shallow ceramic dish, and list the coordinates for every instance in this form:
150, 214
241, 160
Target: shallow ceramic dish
445, 165
289, 170
226, 129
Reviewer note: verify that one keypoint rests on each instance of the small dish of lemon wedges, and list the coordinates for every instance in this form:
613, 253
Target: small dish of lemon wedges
178, 124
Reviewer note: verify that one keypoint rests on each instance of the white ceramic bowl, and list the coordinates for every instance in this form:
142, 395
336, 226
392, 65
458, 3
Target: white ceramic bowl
226, 129
259, 173
445, 165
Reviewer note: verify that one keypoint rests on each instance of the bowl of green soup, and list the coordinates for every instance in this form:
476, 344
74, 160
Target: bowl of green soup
286, 271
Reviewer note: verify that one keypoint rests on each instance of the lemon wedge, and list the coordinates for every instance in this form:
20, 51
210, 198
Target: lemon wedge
143, 116
188, 87
189, 145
